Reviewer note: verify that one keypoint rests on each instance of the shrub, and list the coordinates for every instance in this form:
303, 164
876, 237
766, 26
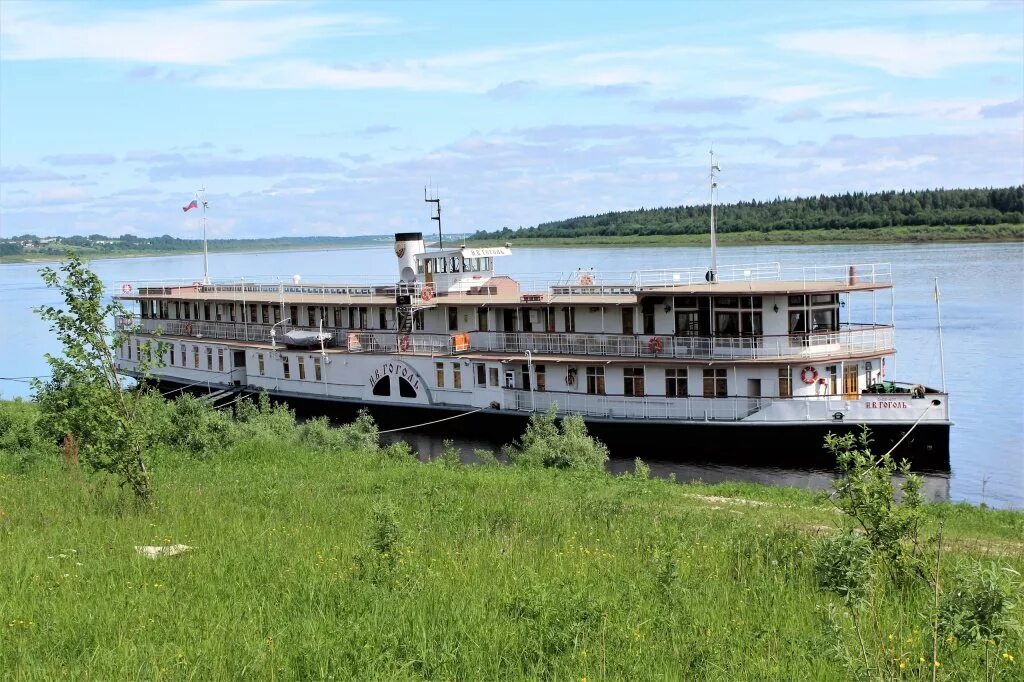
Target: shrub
566, 446
360, 435
198, 428
264, 419
21, 441
843, 565
399, 451
319, 436
978, 607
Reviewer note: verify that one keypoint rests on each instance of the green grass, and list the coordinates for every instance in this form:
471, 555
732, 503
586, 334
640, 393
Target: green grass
954, 233
496, 573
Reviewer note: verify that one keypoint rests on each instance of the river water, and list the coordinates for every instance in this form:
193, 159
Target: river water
982, 295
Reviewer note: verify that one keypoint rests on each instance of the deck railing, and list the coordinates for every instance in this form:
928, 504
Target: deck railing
854, 339
848, 340
697, 408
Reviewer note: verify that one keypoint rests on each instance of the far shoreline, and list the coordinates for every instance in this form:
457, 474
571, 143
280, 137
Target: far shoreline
960, 234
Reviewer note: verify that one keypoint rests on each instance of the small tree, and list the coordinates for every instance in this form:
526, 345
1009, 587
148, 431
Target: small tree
85, 395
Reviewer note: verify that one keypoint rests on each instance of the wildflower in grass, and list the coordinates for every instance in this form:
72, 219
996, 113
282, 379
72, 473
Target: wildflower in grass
1008, 657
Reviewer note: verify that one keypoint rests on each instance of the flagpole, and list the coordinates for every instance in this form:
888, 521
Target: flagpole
206, 254
938, 317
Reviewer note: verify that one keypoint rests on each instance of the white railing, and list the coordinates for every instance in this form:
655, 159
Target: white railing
355, 341
733, 408
577, 283
846, 341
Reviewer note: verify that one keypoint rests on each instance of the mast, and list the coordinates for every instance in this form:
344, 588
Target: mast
201, 193
938, 318
713, 272
435, 200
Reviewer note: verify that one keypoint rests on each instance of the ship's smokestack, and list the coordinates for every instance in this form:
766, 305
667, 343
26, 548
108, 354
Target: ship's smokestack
407, 246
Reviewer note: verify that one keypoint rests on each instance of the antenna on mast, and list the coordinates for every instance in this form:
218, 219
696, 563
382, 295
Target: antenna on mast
434, 199
713, 271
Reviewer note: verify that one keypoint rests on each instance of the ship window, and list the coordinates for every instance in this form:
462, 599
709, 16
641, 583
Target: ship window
285, 367
797, 301
481, 374
595, 380
220, 359
277, 314
405, 389
418, 320
727, 302
363, 314
302, 368
633, 380
821, 299
261, 364
481, 319
195, 357
456, 375
492, 376
453, 318
541, 377
311, 315
188, 311
383, 317
439, 367
675, 383
206, 312
785, 382
715, 383
209, 358
383, 386
218, 311
293, 313
184, 356
316, 369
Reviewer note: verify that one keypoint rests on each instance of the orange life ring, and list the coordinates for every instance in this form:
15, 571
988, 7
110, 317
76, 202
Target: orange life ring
586, 280
404, 343
426, 293
126, 288
808, 375
655, 344
188, 329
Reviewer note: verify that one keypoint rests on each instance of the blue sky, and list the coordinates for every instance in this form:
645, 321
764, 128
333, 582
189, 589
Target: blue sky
328, 118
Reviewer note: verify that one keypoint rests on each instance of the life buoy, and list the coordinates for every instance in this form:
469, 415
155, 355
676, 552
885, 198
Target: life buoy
809, 375
188, 329
126, 288
655, 344
426, 293
404, 344
586, 280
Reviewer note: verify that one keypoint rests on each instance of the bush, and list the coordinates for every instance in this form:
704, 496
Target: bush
263, 419
196, 427
843, 565
319, 436
565, 446
21, 440
979, 606
360, 435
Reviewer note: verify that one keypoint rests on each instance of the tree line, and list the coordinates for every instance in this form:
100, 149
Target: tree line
852, 210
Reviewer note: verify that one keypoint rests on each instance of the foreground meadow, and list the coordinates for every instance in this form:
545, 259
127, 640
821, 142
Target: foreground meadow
316, 554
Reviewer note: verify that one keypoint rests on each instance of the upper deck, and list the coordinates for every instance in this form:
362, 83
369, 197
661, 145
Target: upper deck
582, 287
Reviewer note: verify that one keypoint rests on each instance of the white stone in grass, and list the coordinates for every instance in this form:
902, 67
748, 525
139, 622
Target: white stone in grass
157, 551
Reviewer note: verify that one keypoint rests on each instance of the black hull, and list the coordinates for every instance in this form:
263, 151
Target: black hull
744, 443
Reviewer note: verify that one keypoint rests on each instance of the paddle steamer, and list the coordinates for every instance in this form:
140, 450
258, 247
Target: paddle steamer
756, 362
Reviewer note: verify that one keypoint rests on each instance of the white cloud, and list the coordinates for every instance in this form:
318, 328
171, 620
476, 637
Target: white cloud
905, 54
211, 34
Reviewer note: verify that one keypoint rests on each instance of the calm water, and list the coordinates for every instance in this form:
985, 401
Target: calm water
982, 308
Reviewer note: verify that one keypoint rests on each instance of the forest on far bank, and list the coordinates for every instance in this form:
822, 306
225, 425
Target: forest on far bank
856, 210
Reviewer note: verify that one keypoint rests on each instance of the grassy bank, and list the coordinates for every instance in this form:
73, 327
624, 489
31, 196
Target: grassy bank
95, 254
927, 234
317, 554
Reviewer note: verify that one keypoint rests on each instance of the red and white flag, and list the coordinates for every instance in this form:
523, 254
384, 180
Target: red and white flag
192, 204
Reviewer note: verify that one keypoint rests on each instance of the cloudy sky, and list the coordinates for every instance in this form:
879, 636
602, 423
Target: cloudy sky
308, 118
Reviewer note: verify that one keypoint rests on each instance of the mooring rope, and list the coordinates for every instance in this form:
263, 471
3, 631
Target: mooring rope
909, 431
436, 421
